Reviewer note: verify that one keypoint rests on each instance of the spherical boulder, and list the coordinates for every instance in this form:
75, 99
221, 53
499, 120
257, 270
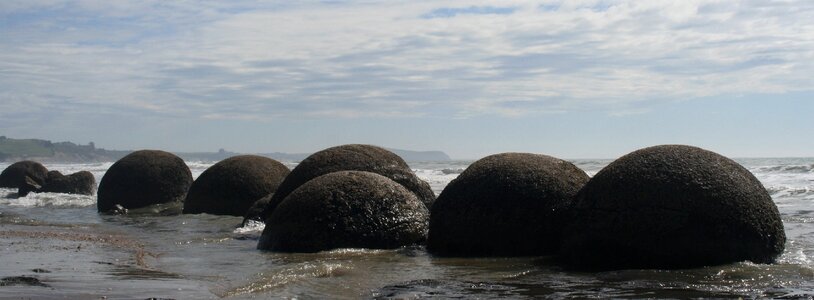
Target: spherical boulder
144, 178
346, 209
14, 175
81, 183
232, 185
672, 206
509, 204
353, 157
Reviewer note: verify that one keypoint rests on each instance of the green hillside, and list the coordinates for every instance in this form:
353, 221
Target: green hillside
43, 150
25, 148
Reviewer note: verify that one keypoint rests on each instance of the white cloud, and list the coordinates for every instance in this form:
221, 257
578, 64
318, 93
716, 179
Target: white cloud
231, 60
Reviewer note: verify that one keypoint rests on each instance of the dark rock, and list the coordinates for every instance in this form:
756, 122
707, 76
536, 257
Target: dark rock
231, 186
254, 213
352, 157
14, 175
509, 204
21, 280
143, 178
346, 209
672, 206
118, 210
53, 175
29, 186
81, 183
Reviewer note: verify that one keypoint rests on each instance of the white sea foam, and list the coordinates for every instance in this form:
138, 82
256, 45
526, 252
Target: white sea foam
438, 179
48, 199
251, 227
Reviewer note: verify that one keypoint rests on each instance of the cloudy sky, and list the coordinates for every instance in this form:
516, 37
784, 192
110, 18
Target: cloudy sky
574, 79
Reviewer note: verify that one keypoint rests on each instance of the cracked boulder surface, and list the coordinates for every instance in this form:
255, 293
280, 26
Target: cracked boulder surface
144, 178
233, 185
672, 206
351, 157
508, 204
346, 209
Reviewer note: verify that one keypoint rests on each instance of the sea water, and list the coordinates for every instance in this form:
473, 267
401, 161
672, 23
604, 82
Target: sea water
76, 253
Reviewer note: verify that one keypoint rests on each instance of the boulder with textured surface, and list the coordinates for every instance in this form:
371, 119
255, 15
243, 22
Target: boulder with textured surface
231, 186
14, 175
509, 204
144, 178
81, 183
672, 206
353, 157
29, 186
346, 209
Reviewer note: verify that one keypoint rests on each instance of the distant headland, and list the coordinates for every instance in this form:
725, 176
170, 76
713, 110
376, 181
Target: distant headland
47, 151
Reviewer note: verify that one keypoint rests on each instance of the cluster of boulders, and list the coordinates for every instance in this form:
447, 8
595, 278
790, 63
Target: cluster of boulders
344, 196
669, 206
359, 196
30, 176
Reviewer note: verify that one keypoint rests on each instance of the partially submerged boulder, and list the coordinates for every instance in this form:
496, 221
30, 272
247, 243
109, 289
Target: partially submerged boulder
509, 204
81, 183
256, 210
672, 206
14, 176
346, 209
351, 157
231, 186
144, 178
29, 186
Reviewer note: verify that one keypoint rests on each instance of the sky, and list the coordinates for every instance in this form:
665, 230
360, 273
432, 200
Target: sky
572, 79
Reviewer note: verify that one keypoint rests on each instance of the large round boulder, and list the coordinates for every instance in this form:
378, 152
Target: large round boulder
346, 209
232, 185
14, 175
672, 206
352, 157
509, 204
81, 183
144, 178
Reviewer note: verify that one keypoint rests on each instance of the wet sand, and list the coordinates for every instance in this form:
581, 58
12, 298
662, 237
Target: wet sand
42, 261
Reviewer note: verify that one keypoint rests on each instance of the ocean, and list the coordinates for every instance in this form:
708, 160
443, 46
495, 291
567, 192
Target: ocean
63, 249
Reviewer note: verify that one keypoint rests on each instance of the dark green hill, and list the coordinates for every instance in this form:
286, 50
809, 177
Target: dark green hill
26, 147
44, 150
47, 151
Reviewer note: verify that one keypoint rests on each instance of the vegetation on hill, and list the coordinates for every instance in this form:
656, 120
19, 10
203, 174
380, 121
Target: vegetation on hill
27, 147
45, 151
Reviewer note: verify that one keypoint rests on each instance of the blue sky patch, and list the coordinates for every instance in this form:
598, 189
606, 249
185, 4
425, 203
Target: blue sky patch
449, 12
